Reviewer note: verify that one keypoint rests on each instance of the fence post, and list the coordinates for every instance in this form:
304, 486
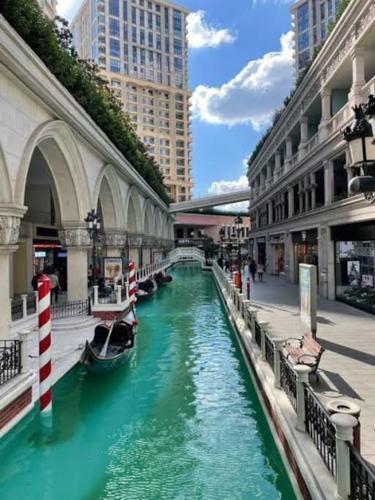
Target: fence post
245, 306
96, 294
263, 329
302, 373
253, 319
24, 338
24, 305
278, 343
241, 297
119, 298
344, 425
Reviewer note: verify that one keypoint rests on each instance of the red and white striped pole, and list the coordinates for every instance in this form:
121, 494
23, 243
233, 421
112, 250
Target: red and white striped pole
132, 283
45, 365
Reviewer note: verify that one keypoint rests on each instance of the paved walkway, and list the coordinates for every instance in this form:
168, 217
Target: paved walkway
347, 334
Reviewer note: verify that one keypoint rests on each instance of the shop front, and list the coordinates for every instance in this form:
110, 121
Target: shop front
262, 253
277, 255
355, 264
305, 250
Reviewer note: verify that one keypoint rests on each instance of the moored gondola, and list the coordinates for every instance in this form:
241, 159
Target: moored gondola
146, 289
112, 346
162, 278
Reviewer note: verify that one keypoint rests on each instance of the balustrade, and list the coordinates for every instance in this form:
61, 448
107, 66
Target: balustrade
10, 360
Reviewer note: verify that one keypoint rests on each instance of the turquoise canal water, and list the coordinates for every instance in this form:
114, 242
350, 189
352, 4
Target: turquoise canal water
182, 421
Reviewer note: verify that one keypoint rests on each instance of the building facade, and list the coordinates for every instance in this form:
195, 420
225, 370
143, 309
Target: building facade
311, 21
49, 7
300, 205
141, 48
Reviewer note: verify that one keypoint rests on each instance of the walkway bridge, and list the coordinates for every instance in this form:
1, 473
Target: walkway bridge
210, 201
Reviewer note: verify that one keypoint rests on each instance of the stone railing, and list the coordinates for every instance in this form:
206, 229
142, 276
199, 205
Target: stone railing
335, 436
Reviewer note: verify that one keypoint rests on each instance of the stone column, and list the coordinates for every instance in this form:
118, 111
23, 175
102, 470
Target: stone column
304, 124
358, 76
289, 152
270, 212
344, 425
289, 258
325, 95
328, 182
290, 202
9, 233
307, 197
278, 171
323, 260
262, 181
301, 196
77, 241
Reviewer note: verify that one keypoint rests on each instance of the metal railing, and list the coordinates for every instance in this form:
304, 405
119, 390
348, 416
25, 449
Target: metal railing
70, 309
270, 351
321, 429
31, 304
362, 478
17, 308
288, 381
10, 359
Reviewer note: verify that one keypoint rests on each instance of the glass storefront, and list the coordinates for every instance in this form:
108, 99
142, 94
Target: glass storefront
355, 262
306, 249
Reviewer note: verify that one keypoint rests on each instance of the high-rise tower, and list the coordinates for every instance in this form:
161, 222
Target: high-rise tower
141, 48
48, 7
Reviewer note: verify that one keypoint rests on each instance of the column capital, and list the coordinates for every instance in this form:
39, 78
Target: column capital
135, 240
115, 238
77, 236
9, 229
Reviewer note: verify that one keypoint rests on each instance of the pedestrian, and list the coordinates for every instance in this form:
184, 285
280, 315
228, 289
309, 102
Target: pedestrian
55, 283
253, 269
227, 266
260, 270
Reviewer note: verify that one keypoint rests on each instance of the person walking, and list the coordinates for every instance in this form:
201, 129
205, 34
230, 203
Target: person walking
260, 270
55, 284
253, 269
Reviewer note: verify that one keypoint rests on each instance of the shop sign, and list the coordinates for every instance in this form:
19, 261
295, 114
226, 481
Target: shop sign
308, 298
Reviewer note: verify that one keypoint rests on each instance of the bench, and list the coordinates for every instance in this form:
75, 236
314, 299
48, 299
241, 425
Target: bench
304, 351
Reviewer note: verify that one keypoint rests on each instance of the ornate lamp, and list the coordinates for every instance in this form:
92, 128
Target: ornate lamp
360, 137
93, 227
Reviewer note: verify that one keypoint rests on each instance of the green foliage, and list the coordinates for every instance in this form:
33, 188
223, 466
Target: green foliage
52, 42
341, 9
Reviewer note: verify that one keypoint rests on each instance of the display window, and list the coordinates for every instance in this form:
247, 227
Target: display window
355, 273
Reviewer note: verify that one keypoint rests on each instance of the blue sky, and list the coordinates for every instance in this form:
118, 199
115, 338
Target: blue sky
240, 70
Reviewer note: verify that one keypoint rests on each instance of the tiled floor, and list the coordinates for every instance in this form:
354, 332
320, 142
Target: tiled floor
348, 336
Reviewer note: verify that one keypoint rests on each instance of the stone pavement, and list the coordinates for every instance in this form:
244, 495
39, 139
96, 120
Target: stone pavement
348, 336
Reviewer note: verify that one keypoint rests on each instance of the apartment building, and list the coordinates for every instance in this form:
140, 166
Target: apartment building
300, 205
48, 7
141, 48
311, 20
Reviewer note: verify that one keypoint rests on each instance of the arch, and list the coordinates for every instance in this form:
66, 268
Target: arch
107, 192
57, 145
148, 218
5, 187
133, 211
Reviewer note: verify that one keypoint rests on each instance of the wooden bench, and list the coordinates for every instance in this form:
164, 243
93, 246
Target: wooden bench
303, 351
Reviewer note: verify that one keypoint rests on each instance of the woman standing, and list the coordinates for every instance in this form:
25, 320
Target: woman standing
260, 270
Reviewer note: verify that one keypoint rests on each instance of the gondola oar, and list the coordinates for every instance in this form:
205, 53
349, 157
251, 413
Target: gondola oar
103, 352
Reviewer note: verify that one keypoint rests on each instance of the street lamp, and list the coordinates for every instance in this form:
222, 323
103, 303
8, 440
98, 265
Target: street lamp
239, 222
93, 227
360, 137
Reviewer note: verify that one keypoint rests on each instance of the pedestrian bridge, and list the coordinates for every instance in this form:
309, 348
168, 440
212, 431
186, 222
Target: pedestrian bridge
210, 201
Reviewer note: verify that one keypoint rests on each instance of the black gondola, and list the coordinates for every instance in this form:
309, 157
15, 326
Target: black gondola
120, 338
162, 278
146, 289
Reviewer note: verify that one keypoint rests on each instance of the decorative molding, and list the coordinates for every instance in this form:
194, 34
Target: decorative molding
74, 237
114, 238
9, 229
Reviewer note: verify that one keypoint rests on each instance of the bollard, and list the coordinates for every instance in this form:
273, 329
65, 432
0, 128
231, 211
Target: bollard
344, 424
24, 305
253, 319
248, 288
45, 365
263, 329
278, 343
302, 372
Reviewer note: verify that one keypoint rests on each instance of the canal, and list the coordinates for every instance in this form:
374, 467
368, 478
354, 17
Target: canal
182, 421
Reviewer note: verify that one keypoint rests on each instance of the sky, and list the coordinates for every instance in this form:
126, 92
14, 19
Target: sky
240, 69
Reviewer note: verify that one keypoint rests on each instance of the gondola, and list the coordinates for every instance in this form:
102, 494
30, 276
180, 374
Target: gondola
146, 289
113, 345
162, 278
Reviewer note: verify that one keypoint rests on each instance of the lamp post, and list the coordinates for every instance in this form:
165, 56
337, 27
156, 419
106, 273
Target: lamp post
360, 137
239, 222
93, 227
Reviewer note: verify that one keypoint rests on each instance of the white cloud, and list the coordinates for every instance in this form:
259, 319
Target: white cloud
253, 94
201, 34
222, 187
67, 8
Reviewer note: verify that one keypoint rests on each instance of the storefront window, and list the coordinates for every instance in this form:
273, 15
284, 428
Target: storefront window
355, 273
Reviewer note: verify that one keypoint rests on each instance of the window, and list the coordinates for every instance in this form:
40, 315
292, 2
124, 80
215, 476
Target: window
158, 23
179, 98
114, 9
114, 47
180, 144
177, 46
142, 18
166, 18
303, 17
179, 116
134, 15
134, 34
134, 55
150, 21
142, 37
125, 31
180, 152
177, 22
143, 57
114, 27
158, 42
303, 40
125, 10
115, 66
150, 40
178, 64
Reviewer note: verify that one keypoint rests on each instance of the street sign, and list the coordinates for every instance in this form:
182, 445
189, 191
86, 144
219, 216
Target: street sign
308, 298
